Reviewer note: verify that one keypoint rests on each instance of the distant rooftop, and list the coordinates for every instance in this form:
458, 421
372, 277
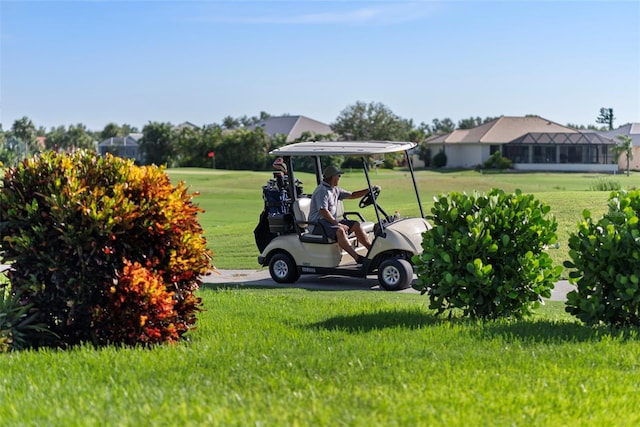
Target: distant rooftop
292, 126
501, 130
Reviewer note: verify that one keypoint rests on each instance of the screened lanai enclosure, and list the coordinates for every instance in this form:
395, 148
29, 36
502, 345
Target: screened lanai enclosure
126, 147
542, 150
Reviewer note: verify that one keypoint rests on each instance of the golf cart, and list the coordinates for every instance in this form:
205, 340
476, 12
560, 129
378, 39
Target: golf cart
284, 234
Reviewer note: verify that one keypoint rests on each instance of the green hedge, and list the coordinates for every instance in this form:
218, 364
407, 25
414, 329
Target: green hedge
605, 256
486, 254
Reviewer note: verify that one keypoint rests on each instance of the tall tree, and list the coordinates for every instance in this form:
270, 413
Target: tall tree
193, 146
7, 156
78, 137
56, 139
606, 117
263, 116
157, 144
211, 137
587, 127
243, 149
374, 121
111, 130
247, 121
230, 123
469, 123
24, 129
445, 125
25, 132
127, 129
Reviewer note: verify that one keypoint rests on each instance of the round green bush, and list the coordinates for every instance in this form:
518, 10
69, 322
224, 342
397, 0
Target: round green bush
497, 161
439, 159
87, 236
486, 254
605, 264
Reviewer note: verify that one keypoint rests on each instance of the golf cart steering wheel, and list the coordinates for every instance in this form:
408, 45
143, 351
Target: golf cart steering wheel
367, 199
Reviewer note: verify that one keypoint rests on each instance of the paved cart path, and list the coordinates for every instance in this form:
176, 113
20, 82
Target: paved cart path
332, 283
328, 283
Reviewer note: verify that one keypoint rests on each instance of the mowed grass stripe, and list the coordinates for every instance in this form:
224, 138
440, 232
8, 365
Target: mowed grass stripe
297, 357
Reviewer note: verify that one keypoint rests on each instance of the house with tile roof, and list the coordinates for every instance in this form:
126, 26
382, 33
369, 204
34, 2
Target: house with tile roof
532, 143
292, 127
631, 130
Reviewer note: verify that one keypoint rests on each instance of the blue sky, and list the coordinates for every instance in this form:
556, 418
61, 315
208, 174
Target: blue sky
95, 62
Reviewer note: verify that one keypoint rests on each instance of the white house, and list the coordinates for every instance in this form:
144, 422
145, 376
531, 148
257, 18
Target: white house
531, 143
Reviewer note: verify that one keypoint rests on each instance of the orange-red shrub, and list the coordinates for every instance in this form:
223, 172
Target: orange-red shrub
77, 226
138, 309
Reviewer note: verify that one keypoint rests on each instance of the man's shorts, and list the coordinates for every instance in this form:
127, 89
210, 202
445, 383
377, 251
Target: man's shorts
330, 229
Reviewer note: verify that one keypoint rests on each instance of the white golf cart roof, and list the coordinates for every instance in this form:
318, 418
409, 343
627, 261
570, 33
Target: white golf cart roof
342, 148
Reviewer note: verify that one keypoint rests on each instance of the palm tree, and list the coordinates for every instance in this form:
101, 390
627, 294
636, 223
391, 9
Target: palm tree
25, 131
624, 146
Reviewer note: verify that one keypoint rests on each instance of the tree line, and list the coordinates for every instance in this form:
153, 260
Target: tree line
232, 142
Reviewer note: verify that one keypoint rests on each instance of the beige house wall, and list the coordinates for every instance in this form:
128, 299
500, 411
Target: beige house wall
464, 155
634, 163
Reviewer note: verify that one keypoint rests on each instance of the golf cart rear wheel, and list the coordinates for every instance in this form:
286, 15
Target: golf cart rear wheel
395, 274
283, 269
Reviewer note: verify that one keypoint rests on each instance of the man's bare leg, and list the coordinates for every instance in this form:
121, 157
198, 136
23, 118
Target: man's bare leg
343, 242
361, 235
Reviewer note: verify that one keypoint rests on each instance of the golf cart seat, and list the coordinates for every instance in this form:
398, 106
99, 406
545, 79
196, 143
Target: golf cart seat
301, 209
301, 215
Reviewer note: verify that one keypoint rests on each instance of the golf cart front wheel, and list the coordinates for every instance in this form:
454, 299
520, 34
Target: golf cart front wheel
395, 274
283, 269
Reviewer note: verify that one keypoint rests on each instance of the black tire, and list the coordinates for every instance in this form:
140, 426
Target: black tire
395, 274
283, 269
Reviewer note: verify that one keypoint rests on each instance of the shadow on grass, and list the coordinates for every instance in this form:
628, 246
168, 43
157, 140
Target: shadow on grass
553, 331
537, 331
364, 322
522, 331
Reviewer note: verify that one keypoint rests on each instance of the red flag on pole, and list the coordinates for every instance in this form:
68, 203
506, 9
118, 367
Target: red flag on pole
211, 154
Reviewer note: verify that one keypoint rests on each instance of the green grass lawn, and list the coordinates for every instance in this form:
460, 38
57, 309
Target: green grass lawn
285, 357
233, 200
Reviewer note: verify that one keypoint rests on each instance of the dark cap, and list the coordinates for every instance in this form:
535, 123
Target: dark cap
331, 171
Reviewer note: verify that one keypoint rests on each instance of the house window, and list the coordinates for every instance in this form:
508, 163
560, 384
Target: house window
608, 156
599, 154
516, 153
572, 154
591, 154
544, 154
